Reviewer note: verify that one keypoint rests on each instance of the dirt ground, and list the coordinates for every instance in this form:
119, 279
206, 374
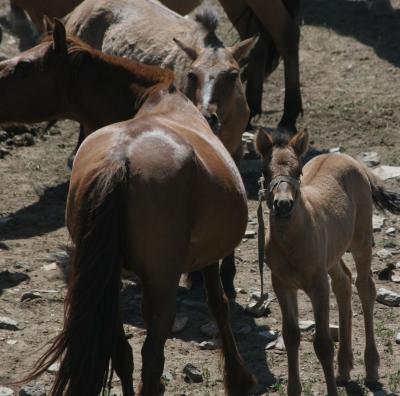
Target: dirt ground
350, 72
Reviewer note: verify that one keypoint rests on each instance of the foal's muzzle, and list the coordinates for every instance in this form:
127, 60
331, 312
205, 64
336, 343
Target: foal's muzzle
283, 207
214, 122
282, 202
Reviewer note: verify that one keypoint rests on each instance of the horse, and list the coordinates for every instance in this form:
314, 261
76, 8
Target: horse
315, 217
138, 199
206, 71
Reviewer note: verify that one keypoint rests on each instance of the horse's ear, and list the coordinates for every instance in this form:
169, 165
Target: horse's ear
48, 24
191, 52
263, 142
299, 142
59, 36
241, 50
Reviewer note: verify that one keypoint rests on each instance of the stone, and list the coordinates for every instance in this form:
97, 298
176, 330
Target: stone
257, 306
6, 391
398, 338
278, 344
30, 296
26, 139
8, 323
250, 234
391, 231
240, 290
180, 323
49, 267
384, 254
370, 158
378, 222
3, 152
11, 342
268, 335
34, 389
192, 374
54, 367
209, 345
209, 329
306, 325
395, 277
61, 257
3, 136
388, 297
386, 172
166, 377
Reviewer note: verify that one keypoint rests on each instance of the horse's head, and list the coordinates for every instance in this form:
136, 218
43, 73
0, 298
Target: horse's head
282, 164
30, 82
213, 80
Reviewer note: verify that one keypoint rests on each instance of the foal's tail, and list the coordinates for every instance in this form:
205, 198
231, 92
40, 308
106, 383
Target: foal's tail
382, 197
88, 340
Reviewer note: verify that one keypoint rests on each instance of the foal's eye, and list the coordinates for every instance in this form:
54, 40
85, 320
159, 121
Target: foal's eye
192, 76
233, 75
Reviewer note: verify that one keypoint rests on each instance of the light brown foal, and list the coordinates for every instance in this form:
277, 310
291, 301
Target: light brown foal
312, 225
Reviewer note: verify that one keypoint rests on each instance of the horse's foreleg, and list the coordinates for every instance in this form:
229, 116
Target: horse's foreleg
287, 299
123, 362
159, 309
238, 381
341, 285
323, 343
367, 293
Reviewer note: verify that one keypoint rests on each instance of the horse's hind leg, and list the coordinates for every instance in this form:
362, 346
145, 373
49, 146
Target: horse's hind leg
159, 309
123, 362
238, 381
367, 293
341, 285
228, 272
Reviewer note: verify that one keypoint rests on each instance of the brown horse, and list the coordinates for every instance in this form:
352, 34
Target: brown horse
313, 222
139, 198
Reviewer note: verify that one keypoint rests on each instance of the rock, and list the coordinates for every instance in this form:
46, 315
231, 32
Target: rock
250, 234
378, 222
192, 374
388, 297
26, 139
391, 231
30, 296
243, 330
390, 244
54, 367
3, 152
386, 172
334, 330
398, 338
209, 345
3, 136
240, 290
384, 254
397, 265
49, 267
278, 344
6, 391
209, 329
370, 158
268, 335
11, 342
167, 377
258, 306
306, 325
395, 277
180, 323
61, 257
8, 324
35, 389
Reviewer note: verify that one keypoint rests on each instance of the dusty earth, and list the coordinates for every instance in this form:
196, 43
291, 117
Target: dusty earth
350, 71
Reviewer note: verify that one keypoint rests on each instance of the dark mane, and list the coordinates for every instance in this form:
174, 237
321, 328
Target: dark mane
208, 19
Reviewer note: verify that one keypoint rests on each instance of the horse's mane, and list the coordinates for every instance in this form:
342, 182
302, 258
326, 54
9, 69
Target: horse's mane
208, 19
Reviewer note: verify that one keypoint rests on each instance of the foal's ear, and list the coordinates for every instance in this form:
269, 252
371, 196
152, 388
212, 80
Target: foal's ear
48, 24
241, 50
59, 36
263, 142
299, 142
191, 52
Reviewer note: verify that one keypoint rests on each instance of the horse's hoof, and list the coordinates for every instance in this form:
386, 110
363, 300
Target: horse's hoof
342, 381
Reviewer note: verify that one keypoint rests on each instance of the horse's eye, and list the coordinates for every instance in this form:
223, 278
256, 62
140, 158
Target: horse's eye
233, 75
192, 76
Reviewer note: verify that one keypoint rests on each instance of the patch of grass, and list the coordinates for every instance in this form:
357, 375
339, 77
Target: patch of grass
394, 381
279, 387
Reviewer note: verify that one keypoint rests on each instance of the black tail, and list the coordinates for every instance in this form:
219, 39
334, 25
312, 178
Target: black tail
383, 198
87, 341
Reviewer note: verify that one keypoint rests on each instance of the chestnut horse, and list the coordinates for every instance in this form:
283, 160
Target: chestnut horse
139, 199
313, 222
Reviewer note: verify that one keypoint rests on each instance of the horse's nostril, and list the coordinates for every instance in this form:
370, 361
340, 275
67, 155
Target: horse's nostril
285, 205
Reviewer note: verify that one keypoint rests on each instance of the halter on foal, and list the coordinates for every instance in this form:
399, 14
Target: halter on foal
139, 198
311, 226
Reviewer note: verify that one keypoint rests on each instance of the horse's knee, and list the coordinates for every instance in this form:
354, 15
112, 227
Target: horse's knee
323, 346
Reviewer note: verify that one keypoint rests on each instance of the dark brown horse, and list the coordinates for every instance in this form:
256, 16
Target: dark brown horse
139, 198
312, 225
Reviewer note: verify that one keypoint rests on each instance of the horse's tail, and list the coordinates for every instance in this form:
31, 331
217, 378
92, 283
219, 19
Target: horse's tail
382, 197
88, 340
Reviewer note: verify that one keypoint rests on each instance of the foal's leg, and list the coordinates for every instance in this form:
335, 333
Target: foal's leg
367, 293
238, 381
159, 309
123, 362
341, 285
323, 344
287, 299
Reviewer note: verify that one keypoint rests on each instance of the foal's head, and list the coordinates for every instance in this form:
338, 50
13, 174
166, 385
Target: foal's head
282, 166
213, 80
